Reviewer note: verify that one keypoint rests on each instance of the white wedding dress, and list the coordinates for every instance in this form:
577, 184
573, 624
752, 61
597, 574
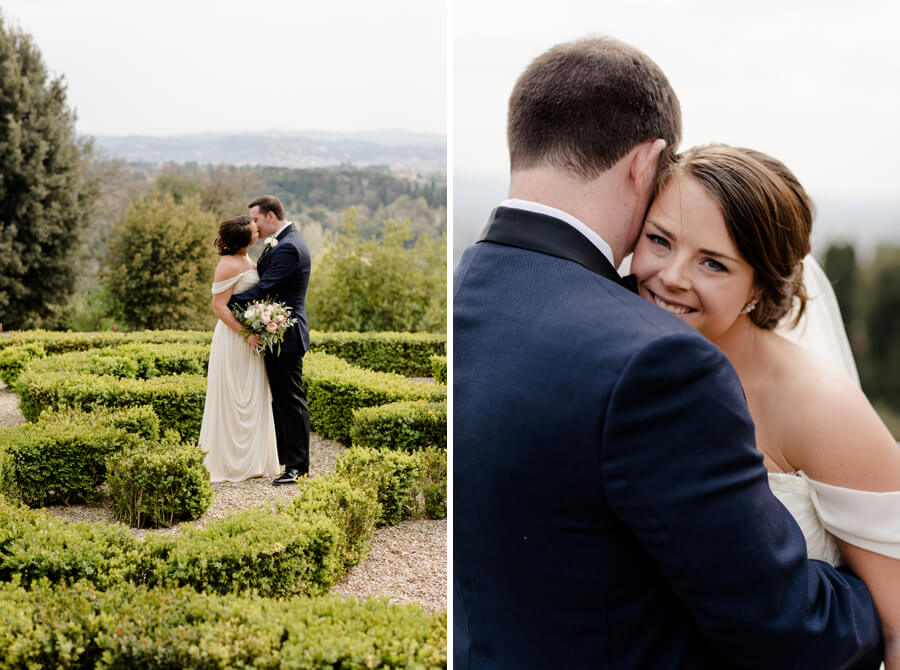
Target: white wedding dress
238, 432
862, 518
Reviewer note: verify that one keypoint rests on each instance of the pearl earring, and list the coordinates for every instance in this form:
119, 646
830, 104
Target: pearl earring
750, 306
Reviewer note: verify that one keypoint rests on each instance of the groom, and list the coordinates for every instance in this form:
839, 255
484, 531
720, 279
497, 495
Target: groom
284, 268
610, 507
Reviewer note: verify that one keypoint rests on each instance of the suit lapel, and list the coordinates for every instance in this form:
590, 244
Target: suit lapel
547, 235
266, 251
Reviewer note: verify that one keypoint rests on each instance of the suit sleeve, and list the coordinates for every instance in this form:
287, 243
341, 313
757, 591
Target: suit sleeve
282, 266
681, 470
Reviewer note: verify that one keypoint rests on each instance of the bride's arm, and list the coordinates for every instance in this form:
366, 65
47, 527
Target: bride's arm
846, 444
882, 576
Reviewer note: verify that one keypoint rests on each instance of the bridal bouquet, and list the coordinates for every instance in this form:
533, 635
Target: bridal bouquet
266, 320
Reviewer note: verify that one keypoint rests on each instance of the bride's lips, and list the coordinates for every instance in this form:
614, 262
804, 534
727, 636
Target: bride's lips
675, 308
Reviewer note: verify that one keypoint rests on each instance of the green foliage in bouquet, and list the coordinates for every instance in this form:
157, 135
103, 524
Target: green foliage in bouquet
158, 484
267, 320
407, 425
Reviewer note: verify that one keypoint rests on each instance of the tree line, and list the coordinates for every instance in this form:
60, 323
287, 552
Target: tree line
92, 243
868, 292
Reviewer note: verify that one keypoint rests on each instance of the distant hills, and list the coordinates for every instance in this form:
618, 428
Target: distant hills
396, 150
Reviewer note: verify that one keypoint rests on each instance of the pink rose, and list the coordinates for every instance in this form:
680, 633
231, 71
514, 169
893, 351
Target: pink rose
272, 326
264, 317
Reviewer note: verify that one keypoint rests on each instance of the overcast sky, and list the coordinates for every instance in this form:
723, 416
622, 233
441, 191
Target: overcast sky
179, 66
815, 83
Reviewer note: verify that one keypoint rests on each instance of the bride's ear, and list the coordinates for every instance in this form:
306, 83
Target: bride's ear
644, 162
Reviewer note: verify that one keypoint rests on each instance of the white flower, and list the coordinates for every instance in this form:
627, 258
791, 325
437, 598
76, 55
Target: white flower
248, 314
271, 242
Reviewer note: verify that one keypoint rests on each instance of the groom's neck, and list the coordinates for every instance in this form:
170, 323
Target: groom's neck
598, 202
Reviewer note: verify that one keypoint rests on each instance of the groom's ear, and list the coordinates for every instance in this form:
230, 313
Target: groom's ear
644, 162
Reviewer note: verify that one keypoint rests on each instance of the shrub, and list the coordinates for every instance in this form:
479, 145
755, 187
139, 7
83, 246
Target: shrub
55, 342
407, 354
274, 554
62, 458
335, 388
406, 425
391, 475
439, 368
176, 399
301, 549
35, 546
14, 358
128, 627
160, 262
57, 462
158, 484
393, 282
353, 510
433, 483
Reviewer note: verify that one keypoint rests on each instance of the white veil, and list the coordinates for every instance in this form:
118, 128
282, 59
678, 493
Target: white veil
821, 329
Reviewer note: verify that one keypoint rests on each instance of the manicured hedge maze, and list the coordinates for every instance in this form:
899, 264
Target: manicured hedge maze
100, 405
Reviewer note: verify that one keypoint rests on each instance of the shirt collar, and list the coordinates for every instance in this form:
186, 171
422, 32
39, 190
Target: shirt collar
595, 239
280, 230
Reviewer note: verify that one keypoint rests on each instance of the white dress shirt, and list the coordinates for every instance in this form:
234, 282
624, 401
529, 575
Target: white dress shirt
538, 208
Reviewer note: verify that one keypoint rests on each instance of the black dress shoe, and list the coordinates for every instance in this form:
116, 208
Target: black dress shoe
290, 476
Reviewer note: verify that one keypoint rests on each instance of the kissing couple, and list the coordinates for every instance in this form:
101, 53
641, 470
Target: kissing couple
256, 415
658, 471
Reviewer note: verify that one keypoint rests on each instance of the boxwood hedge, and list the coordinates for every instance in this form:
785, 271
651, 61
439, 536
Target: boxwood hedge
300, 549
129, 626
405, 425
335, 388
407, 354
62, 458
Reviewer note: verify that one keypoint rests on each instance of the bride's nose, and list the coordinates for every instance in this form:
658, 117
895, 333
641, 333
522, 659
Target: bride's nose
674, 275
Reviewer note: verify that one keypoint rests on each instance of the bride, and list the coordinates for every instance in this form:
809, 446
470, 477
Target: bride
722, 248
238, 432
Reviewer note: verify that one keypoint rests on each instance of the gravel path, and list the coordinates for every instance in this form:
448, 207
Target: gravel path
406, 562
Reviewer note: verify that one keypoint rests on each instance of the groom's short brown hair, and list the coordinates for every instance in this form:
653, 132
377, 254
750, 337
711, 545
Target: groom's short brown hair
583, 105
269, 203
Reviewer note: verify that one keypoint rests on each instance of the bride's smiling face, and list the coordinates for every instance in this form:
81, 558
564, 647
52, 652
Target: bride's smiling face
686, 263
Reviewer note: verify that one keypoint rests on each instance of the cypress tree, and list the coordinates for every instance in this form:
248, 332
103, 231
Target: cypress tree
45, 194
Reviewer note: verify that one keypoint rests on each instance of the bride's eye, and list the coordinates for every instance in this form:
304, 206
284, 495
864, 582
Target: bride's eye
714, 265
658, 240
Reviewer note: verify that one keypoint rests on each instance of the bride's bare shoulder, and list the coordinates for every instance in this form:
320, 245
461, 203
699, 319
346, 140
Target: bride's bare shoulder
828, 422
230, 266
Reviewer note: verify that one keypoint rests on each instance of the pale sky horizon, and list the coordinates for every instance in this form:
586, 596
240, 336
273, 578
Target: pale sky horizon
814, 83
176, 67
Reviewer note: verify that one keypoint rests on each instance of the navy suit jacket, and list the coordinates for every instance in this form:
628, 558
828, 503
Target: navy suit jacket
610, 509
284, 277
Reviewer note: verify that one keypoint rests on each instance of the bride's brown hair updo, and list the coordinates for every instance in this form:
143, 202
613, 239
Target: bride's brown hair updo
768, 216
234, 235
